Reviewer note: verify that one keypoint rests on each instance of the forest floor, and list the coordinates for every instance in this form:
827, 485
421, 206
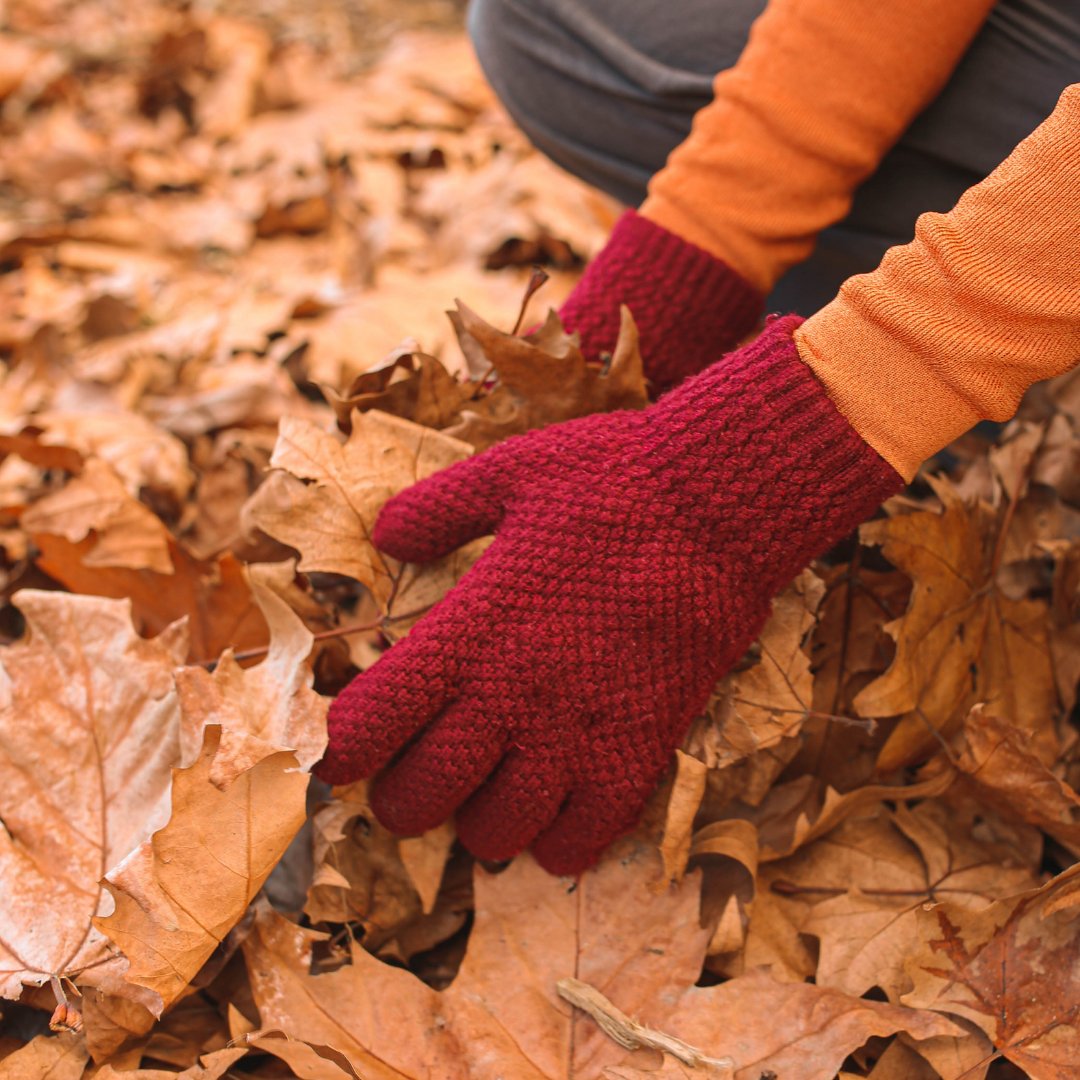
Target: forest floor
230, 234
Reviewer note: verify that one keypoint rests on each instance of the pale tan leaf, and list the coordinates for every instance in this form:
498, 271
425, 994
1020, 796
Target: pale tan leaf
683, 803
89, 729
179, 893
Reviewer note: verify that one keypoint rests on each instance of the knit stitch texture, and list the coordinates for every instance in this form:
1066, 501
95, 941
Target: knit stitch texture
634, 559
688, 305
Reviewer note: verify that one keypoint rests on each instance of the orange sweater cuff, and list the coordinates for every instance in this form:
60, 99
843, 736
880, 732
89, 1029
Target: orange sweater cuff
955, 326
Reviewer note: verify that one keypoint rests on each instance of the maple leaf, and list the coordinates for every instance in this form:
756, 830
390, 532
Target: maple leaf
1004, 774
859, 888
1013, 969
409, 384
849, 648
502, 1014
212, 594
325, 497
961, 640
178, 894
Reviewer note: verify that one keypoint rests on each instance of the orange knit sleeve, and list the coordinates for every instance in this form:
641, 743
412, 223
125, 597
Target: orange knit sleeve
955, 326
820, 93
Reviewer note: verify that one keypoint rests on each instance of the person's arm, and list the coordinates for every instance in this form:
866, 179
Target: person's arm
955, 326
821, 92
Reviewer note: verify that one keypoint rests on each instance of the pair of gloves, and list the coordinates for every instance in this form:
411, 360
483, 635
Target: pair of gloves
634, 561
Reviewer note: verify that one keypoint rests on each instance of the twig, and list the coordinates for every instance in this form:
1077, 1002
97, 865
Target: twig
630, 1034
536, 280
322, 635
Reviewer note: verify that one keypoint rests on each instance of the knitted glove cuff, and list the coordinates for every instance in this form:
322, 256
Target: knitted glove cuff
809, 476
688, 305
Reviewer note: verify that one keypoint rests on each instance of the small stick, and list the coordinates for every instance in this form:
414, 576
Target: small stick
536, 280
633, 1036
322, 635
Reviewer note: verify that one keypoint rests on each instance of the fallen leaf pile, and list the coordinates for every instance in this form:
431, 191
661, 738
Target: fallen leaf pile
227, 243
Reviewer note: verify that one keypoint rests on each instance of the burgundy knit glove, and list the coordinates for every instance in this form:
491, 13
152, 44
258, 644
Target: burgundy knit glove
689, 307
634, 559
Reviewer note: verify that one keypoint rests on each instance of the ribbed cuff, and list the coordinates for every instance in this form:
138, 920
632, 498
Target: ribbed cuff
814, 477
689, 307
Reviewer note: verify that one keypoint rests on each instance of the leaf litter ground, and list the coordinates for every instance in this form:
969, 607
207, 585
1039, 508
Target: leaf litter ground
229, 236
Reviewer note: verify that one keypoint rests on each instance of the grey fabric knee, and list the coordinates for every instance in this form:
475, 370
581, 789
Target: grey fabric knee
608, 88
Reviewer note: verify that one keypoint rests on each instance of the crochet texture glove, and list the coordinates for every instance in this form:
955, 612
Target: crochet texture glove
634, 559
688, 306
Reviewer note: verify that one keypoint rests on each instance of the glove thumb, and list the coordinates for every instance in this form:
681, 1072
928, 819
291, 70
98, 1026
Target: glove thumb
450, 508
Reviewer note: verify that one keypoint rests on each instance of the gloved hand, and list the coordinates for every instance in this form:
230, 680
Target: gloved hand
634, 560
689, 307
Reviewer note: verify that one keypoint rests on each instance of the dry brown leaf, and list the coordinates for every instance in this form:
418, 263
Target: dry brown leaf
755, 714
306, 1060
327, 494
90, 728
384, 885
141, 454
687, 791
860, 888
1013, 969
126, 532
210, 1066
849, 649
1006, 775
784, 834
47, 1057
961, 641
409, 384
544, 377
234, 811
179, 894
639, 950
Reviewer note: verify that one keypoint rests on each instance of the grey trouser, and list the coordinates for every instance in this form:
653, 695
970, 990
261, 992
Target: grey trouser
607, 88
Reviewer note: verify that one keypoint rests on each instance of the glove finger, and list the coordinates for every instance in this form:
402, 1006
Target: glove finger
435, 775
382, 708
520, 800
444, 511
590, 820
606, 804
